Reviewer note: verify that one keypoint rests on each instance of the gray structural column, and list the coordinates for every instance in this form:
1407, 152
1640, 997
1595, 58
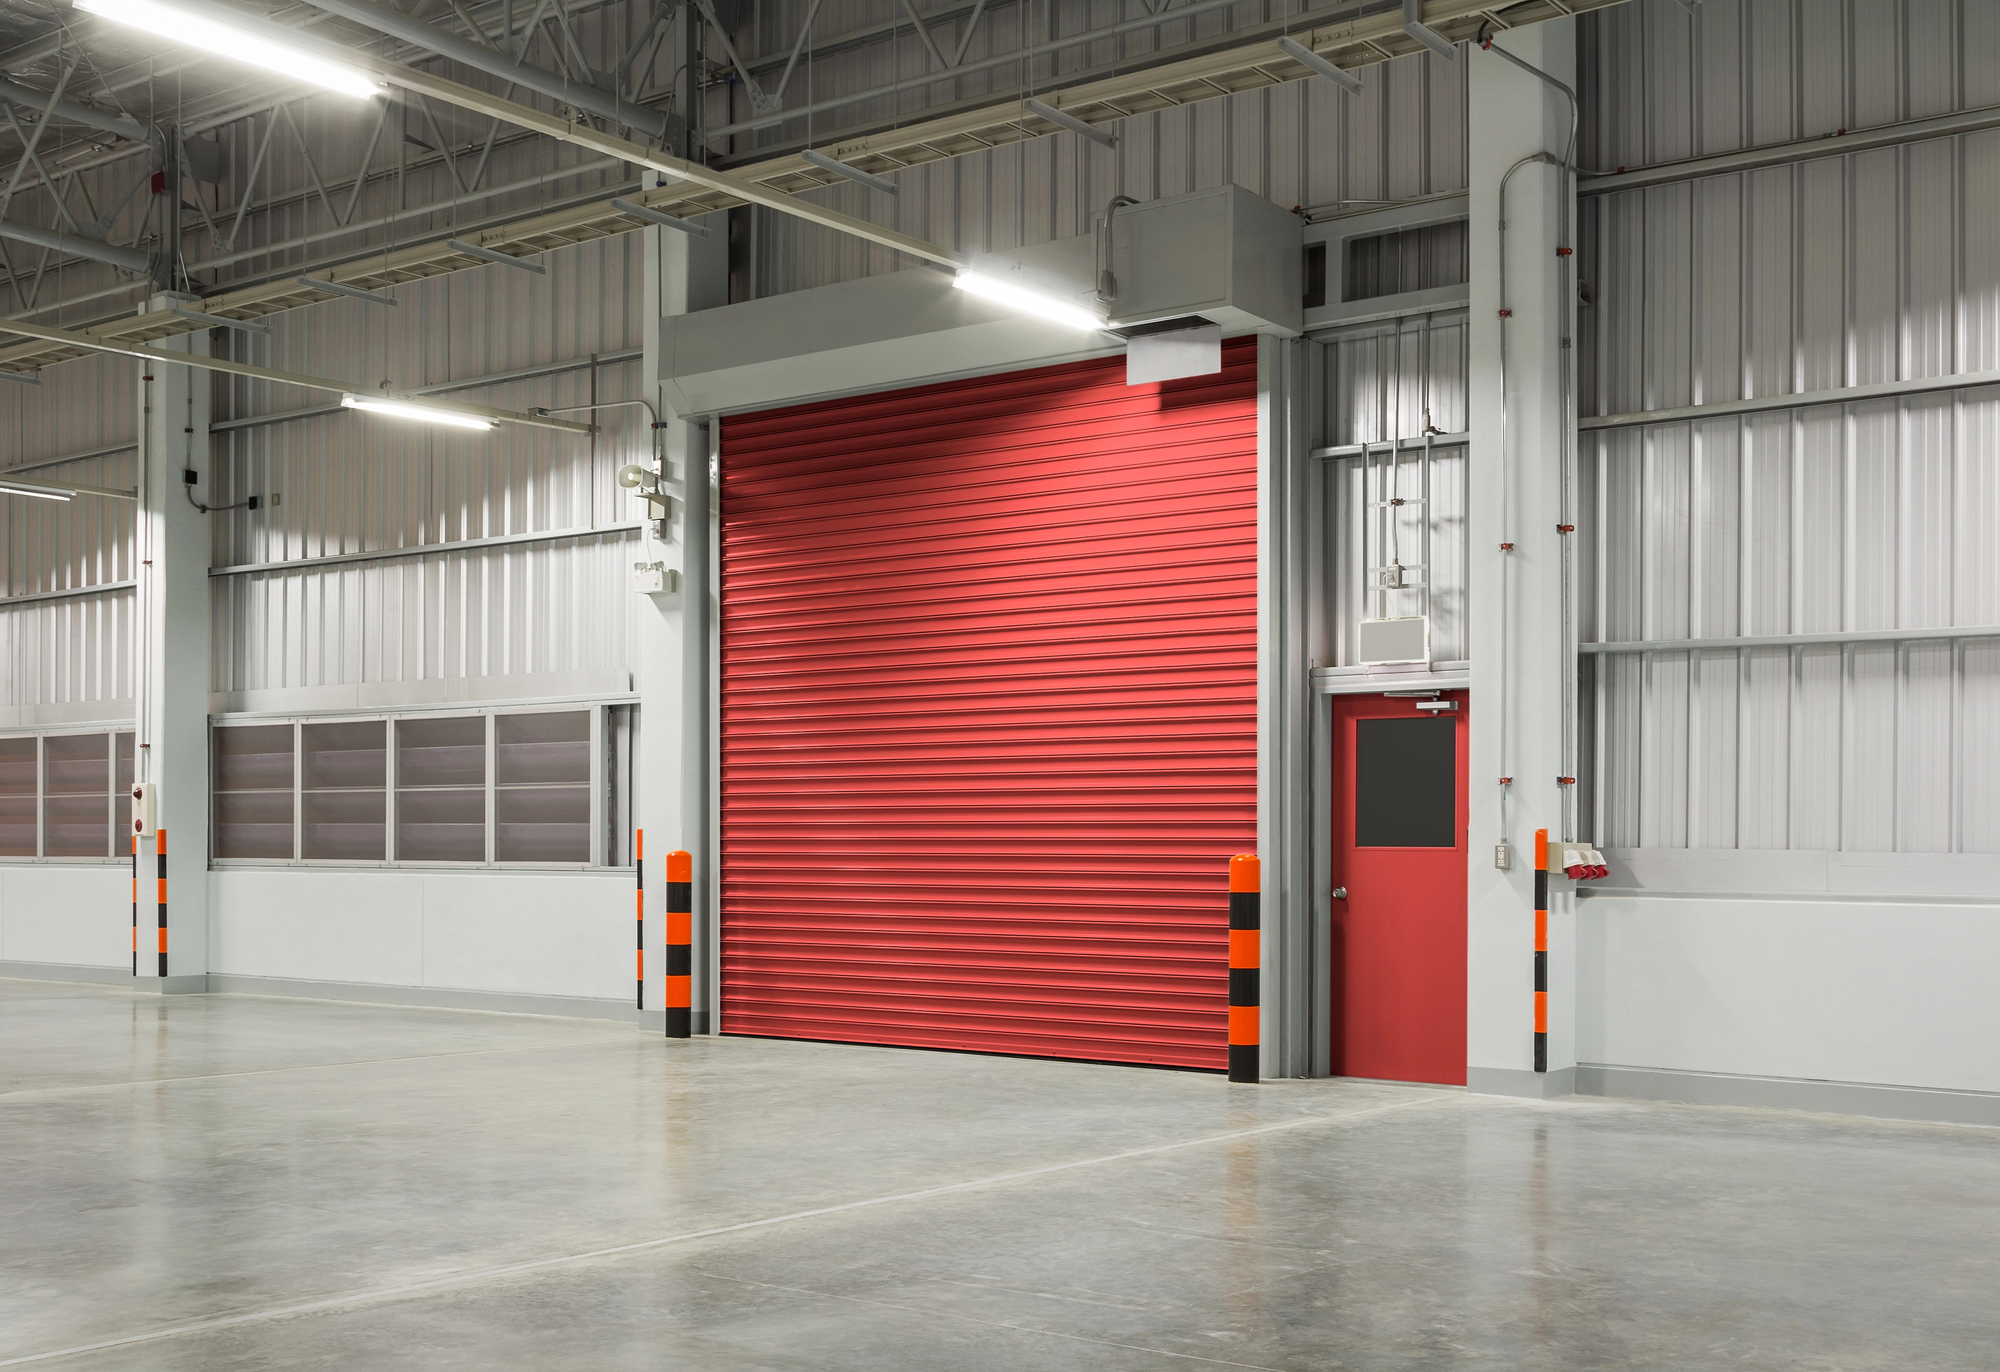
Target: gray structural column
1293, 942
171, 667
1518, 653
673, 630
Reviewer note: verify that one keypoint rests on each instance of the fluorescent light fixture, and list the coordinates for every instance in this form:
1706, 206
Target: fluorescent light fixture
664, 220
1026, 301
1312, 61
852, 173
197, 30
1414, 26
320, 283
422, 414
1064, 120
9, 488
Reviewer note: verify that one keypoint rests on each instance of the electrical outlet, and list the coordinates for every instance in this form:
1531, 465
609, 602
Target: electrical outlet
1503, 857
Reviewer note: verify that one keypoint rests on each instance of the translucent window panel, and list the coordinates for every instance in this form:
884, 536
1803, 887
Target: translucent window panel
541, 748
121, 824
346, 826
77, 826
441, 752
17, 767
17, 825
123, 781
252, 824
541, 824
77, 765
441, 825
256, 758
340, 756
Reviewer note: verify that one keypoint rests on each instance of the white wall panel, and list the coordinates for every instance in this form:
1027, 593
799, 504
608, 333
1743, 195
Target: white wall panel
568, 935
1791, 988
73, 915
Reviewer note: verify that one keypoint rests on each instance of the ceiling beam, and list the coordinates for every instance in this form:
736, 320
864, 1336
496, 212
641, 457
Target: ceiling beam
1216, 69
396, 24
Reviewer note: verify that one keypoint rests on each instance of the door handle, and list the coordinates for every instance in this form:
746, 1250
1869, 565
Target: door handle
1340, 893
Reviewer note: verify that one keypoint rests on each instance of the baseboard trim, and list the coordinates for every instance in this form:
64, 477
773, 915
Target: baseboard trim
1919, 1103
427, 997
66, 971
1520, 1082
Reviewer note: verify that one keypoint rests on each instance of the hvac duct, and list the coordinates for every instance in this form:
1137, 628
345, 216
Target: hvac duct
76, 245
74, 112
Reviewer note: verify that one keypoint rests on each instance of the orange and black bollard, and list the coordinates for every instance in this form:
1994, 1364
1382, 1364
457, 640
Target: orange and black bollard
1245, 957
639, 870
680, 936
160, 846
135, 905
1541, 950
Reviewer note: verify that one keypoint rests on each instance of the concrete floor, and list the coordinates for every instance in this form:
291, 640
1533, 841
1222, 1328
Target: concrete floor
224, 1183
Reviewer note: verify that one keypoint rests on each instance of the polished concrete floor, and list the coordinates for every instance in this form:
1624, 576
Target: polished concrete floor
225, 1183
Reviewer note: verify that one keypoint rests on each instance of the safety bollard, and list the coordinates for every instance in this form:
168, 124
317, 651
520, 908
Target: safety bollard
1245, 957
1541, 950
639, 871
160, 847
680, 935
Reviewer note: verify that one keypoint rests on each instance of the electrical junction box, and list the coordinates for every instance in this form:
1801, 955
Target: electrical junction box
655, 578
145, 808
1378, 642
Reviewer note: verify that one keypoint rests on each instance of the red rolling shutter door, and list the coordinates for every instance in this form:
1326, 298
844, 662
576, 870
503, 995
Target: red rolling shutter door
989, 724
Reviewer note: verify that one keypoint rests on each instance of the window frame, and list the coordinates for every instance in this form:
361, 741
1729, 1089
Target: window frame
109, 730
597, 710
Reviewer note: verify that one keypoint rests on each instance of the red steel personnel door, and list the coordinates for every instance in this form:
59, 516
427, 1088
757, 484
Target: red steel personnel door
1399, 850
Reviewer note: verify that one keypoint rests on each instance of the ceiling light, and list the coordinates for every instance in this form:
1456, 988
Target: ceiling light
1026, 301
197, 30
9, 488
423, 414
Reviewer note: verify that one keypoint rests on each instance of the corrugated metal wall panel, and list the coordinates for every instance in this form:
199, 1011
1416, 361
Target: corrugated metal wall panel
1384, 382
351, 483
75, 651
989, 713
1876, 266
1299, 144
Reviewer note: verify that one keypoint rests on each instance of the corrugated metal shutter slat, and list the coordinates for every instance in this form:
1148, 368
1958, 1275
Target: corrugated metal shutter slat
989, 712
